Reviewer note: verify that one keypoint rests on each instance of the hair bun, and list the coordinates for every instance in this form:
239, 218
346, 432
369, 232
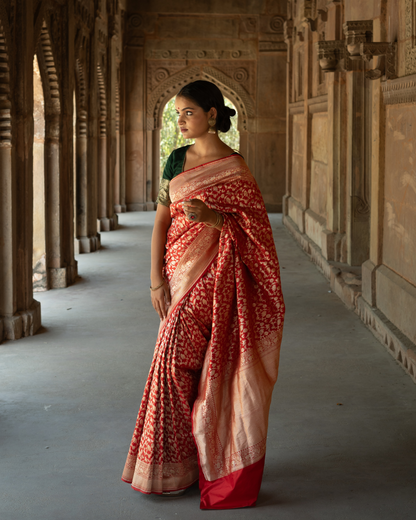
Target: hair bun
230, 111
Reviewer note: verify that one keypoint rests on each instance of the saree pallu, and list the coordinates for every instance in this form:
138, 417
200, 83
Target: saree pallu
205, 408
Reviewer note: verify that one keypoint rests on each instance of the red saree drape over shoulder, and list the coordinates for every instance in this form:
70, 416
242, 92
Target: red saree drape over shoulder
204, 412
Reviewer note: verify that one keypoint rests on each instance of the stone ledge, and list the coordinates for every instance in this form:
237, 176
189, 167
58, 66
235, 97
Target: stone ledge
87, 244
398, 91
346, 285
396, 343
22, 324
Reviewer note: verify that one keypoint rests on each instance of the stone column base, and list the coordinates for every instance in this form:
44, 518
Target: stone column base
87, 244
60, 277
146, 206
22, 324
120, 208
107, 224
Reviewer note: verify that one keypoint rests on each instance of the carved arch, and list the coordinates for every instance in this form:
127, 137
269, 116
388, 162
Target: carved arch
102, 101
171, 86
5, 102
49, 73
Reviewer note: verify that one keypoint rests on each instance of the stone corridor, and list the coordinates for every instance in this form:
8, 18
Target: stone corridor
342, 425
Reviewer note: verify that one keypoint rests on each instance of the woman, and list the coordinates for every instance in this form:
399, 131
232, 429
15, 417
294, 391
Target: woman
215, 284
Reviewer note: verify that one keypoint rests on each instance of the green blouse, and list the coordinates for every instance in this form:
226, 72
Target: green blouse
174, 167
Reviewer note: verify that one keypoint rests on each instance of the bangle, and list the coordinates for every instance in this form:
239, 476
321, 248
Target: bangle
217, 222
158, 287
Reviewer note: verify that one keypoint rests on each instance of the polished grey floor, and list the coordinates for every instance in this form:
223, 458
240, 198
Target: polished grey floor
342, 433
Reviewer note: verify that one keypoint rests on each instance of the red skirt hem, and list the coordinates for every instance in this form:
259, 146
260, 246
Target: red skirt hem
237, 490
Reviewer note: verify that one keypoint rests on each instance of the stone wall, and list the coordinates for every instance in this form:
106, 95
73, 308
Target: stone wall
351, 181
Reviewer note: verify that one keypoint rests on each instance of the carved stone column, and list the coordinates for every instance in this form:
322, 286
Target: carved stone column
19, 312
136, 172
358, 145
288, 37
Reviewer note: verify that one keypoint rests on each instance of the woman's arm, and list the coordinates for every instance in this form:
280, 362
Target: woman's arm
160, 297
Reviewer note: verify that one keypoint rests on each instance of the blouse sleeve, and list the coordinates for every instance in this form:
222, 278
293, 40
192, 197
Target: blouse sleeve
163, 196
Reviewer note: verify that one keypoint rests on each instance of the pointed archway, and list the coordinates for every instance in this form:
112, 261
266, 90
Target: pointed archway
170, 87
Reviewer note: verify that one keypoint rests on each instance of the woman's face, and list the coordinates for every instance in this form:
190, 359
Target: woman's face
192, 120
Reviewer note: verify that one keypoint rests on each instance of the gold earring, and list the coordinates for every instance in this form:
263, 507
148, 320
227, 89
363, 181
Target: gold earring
211, 122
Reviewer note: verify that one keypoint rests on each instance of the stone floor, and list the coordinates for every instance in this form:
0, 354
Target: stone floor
342, 435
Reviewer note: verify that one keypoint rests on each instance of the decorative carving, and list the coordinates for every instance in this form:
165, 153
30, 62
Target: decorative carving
358, 46
159, 71
196, 54
276, 24
357, 32
272, 46
117, 106
165, 91
240, 75
330, 53
410, 17
49, 73
242, 72
5, 104
387, 65
361, 208
81, 100
83, 16
402, 90
249, 24
173, 84
135, 21
102, 101
161, 74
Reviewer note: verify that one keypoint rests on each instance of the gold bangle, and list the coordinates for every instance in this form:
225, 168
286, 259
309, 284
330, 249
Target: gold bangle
217, 221
220, 222
158, 287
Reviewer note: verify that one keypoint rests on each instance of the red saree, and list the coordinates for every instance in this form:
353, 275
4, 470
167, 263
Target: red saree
204, 412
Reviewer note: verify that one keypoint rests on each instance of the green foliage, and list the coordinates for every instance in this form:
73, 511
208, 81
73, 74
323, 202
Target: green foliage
171, 137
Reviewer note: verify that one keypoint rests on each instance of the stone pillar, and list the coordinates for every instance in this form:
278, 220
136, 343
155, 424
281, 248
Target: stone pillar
271, 125
334, 239
19, 312
122, 152
86, 243
155, 163
288, 35
136, 172
358, 143
92, 153
66, 272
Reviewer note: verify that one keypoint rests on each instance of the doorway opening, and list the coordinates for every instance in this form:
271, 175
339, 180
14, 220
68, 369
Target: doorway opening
39, 277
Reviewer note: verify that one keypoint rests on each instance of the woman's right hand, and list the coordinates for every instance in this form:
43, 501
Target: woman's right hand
161, 300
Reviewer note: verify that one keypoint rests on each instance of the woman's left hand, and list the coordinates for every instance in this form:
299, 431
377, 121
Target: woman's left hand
197, 211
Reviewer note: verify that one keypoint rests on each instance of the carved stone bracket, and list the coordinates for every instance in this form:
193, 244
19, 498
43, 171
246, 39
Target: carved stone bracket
356, 33
346, 55
386, 54
330, 53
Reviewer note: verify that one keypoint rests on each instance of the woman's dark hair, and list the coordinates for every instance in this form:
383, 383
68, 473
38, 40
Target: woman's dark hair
207, 95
